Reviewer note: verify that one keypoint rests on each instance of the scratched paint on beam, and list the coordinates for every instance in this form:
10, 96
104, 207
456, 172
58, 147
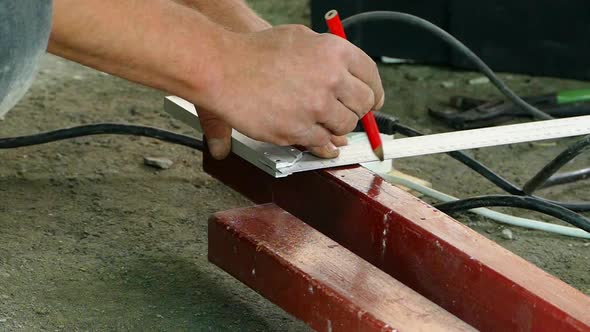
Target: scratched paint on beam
316, 279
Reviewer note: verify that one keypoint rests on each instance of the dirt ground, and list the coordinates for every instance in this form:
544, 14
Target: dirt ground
91, 239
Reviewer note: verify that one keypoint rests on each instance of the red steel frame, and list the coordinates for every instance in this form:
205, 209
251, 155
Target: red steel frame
472, 277
314, 278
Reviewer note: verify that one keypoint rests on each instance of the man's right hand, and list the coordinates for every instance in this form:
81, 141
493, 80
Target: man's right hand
285, 85
290, 86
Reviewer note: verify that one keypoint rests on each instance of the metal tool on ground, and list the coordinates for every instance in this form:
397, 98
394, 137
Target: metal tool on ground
369, 123
281, 161
478, 113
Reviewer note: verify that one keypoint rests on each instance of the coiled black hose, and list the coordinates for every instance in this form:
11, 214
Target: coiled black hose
390, 125
452, 42
524, 202
387, 124
563, 158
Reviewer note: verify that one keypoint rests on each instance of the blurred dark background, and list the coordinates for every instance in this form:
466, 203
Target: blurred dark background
536, 37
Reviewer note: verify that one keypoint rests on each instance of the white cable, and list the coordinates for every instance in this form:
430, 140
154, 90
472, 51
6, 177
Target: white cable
497, 216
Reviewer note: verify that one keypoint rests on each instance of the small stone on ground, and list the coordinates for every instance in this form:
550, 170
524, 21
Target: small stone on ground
412, 77
507, 234
479, 80
447, 84
161, 163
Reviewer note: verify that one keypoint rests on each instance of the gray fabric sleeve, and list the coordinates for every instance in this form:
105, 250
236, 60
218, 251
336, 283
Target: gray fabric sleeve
24, 31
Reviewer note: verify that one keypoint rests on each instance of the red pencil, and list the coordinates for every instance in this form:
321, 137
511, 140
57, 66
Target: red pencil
369, 123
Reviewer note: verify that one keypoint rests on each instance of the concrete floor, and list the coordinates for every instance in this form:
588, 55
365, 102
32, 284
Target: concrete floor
94, 240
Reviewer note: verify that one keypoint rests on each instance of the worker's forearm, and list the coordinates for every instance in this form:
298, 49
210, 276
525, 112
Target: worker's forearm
232, 14
158, 43
285, 85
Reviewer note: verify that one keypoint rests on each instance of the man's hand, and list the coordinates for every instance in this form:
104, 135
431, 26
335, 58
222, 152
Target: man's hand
290, 86
285, 85
218, 135
235, 15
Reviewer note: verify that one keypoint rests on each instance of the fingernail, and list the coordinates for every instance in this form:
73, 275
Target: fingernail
327, 151
331, 147
218, 148
340, 141
331, 150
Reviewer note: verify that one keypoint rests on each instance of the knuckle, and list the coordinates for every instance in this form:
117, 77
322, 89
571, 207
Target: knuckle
341, 128
368, 102
294, 33
373, 64
334, 46
373, 68
310, 136
299, 134
283, 142
322, 139
333, 80
292, 28
341, 132
342, 51
318, 105
299, 28
338, 130
350, 126
328, 40
281, 138
344, 127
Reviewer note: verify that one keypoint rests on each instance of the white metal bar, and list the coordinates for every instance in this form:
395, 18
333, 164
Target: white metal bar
282, 161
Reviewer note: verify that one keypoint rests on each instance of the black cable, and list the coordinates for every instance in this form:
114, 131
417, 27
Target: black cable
390, 125
566, 177
386, 124
523, 202
99, 129
577, 207
454, 43
563, 158
470, 162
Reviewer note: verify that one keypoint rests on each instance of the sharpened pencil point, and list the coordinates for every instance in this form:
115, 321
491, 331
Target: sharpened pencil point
379, 152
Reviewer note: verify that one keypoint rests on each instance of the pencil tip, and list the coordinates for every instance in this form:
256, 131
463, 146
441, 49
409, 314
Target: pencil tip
379, 152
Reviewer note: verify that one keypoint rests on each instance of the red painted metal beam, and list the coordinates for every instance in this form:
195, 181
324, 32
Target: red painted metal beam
315, 279
470, 276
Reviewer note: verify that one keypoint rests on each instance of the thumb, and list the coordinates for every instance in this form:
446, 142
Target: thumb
331, 149
217, 132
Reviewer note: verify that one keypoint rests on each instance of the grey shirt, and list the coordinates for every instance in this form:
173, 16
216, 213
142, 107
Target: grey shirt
24, 31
